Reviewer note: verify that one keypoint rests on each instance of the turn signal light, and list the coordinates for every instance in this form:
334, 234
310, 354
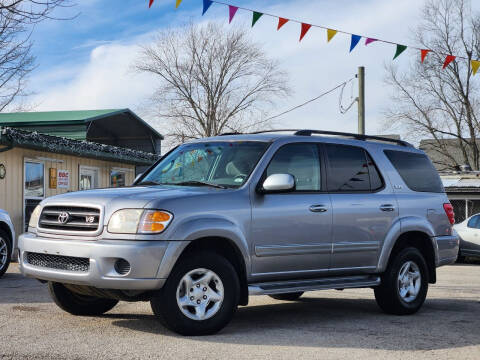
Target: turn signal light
154, 221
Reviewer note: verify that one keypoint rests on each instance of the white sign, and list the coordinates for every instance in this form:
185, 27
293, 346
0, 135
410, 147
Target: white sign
63, 179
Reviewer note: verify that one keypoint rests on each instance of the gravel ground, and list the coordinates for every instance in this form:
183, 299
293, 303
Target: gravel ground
321, 325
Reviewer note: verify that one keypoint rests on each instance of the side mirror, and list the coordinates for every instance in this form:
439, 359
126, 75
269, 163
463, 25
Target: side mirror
137, 177
278, 183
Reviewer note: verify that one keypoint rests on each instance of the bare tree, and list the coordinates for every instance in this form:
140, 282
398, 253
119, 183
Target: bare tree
442, 105
213, 80
17, 18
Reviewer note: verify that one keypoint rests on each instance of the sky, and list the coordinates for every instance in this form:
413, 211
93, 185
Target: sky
86, 63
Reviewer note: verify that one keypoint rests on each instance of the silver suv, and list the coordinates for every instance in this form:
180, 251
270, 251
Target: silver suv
222, 218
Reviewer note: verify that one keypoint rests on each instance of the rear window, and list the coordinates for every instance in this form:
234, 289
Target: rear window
416, 170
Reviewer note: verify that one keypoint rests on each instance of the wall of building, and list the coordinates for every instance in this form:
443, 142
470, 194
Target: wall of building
12, 186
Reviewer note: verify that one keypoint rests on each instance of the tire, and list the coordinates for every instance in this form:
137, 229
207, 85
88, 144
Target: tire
288, 296
219, 301
388, 294
76, 304
5, 252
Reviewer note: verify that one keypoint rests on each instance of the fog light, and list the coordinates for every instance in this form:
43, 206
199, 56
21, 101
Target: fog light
122, 266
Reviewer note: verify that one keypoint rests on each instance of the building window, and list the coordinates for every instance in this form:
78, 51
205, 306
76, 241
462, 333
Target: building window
33, 188
34, 180
88, 178
117, 178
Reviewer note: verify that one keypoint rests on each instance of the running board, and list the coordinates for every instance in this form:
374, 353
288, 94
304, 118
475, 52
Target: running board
290, 286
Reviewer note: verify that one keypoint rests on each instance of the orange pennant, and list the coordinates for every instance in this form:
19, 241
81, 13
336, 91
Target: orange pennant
305, 28
281, 22
424, 53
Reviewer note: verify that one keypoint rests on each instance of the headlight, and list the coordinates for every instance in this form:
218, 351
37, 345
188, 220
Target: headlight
34, 217
138, 221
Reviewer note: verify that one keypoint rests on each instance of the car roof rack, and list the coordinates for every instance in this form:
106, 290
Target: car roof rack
305, 132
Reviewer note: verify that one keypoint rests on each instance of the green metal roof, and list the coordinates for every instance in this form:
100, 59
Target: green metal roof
41, 117
70, 124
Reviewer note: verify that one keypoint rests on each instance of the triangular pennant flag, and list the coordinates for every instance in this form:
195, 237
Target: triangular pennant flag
177, 4
256, 16
330, 34
400, 49
281, 22
423, 53
475, 65
354, 41
150, 4
448, 60
206, 5
232, 10
305, 28
370, 40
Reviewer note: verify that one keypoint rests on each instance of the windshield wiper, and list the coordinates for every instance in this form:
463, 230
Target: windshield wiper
195, 182
148, 182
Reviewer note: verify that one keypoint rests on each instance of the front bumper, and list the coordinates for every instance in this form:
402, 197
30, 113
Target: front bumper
144, 257
447, 249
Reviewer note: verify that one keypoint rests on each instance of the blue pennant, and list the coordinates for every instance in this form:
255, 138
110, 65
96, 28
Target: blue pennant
206, 5
354, 42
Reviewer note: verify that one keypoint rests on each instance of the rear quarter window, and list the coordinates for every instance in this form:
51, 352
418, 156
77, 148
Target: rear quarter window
416, 170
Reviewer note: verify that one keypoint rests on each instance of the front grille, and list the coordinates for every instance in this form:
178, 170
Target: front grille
58, 262
69, 218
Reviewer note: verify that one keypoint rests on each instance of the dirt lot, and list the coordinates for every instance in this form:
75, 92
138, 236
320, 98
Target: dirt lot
322, 325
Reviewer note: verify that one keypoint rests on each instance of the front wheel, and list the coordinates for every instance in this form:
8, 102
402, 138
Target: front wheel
404, 284
200, 296
77, 304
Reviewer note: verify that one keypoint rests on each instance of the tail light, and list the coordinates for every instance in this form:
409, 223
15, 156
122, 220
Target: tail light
449, 211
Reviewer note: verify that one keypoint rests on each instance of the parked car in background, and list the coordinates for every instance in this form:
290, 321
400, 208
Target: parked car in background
7, 241
469, 234
222, 218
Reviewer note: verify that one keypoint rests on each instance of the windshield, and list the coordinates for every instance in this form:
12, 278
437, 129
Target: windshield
219, 164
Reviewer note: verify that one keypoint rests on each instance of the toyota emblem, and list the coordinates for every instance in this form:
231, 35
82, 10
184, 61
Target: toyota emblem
63, 217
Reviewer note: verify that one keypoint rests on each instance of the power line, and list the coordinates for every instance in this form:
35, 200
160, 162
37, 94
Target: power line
343, 84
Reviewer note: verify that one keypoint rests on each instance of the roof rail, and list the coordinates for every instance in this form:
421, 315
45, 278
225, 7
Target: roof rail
355, 136
299, 132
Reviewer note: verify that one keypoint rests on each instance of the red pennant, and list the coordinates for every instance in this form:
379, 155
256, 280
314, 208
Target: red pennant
281, 22
424, 53
305, 28
150, 4
448, 60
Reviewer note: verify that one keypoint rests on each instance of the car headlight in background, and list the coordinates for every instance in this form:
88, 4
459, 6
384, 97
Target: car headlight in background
138, 221
33, 223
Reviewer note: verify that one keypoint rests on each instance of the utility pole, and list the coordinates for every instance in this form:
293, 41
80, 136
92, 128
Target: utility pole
361, 100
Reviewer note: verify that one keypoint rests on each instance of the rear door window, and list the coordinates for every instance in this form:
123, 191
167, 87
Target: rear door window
416, 170
351, 169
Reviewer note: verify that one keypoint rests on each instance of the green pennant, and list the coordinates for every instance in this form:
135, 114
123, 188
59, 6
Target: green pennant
400, 49
256, 16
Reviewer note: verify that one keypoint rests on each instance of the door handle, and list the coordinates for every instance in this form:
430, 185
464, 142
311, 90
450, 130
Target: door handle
318, 208
387, 207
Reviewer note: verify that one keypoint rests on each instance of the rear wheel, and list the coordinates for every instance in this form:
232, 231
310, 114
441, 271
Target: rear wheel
288, 296
77, 304
5, 252
200, 296
404, 284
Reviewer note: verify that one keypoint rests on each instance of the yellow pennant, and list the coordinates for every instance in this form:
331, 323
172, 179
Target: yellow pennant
475, 65
330, 34
178, 4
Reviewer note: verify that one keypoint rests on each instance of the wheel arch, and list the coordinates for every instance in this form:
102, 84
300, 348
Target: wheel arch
421, 241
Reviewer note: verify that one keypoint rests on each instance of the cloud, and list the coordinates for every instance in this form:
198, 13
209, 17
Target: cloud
105, 79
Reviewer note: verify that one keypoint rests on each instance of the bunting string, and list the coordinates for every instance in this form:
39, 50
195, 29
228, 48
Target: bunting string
355, 38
